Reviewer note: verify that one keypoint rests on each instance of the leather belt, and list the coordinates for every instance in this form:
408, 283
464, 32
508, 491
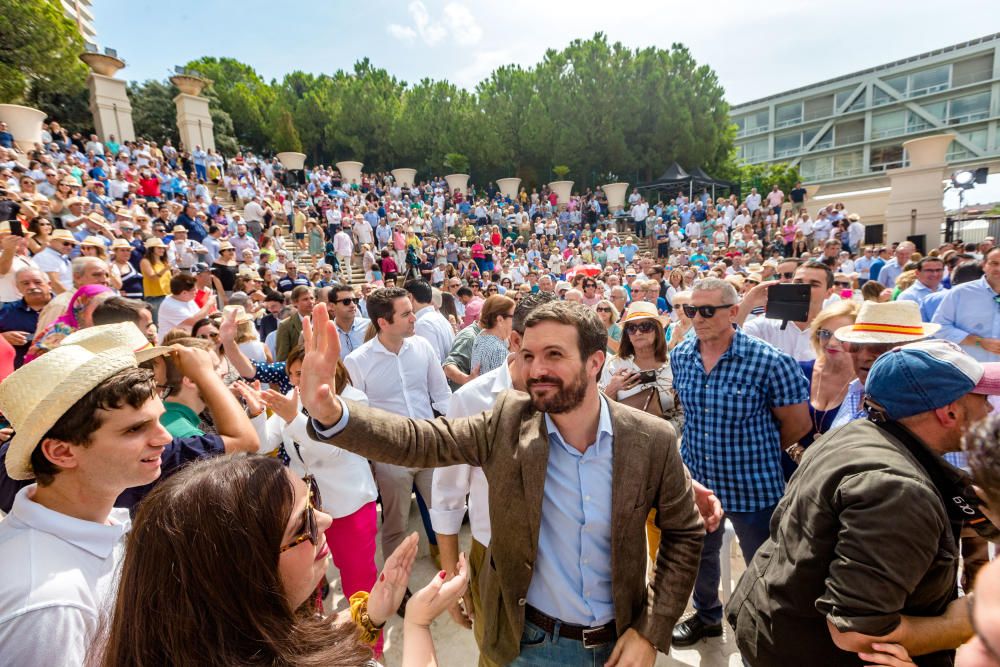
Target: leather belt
591, 637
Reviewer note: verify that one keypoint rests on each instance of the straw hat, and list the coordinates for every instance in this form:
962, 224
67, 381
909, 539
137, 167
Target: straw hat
179, 229
642, 310
94, 241
154, 242
121, 243
63, 235
120, 335
73, 201
226, 245
241, 314
37, 395
892, 322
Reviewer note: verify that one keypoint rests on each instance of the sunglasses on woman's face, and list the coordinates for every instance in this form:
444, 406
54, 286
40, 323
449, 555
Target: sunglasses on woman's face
708, 312
640, 327
603, 309
314, 503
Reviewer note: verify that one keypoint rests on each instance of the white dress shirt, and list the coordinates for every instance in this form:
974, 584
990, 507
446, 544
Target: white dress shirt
433, 326
344, 478
60, 574
411, 383
792, 341
452, 484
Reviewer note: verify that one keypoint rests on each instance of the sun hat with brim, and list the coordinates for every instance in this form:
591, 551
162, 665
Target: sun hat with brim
93, 241
120, 335
63, 235
121, 244
241, 315
226, 245
892, 322
641, 310
179, 229
37, 395
926, 375
73, 201
154, 243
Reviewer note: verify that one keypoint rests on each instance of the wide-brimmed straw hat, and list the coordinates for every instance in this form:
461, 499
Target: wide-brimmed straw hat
124, 335
641, 310
63, 235
892, 322
36, 396
154, 242
93, 241
121, 243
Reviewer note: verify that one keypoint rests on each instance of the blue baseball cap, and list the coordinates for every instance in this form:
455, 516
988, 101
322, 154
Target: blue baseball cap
926, 375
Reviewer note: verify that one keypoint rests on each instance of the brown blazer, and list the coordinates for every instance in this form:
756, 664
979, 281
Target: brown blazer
511, 445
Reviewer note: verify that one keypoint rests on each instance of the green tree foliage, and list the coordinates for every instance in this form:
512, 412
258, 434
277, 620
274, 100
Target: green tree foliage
39, 59
763, 176
595, 107
154, 115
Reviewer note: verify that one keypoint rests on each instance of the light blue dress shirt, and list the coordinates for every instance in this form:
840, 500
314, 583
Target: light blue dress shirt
355, 338
970, 309
572, 577
917, 292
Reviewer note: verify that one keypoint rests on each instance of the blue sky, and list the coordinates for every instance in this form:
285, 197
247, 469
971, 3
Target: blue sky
757, 49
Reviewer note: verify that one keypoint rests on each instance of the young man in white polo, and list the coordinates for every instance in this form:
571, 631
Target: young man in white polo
87, 428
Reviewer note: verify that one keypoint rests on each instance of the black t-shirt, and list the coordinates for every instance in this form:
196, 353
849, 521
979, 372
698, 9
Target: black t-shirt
178, 452
798, 195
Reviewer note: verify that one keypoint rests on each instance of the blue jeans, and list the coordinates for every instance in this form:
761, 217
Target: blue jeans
540, 649
752, 529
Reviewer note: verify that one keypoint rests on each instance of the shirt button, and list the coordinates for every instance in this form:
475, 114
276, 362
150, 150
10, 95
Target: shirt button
587, 498
521, 602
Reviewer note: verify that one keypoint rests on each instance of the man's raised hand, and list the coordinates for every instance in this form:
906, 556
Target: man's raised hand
319, 367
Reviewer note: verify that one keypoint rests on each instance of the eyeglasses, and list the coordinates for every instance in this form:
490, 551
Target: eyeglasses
788, 275
640, 327
163, 390
603, 309
65, 244
708, 312
314, 503
348, 301
824, 335
842, 284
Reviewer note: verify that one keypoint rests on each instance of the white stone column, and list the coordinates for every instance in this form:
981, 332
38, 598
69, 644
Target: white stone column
109, 101
916, 199
194, 122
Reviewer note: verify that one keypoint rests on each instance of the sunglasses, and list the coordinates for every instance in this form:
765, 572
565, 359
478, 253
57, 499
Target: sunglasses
844, 285
788, 275
824, 335
314, 503
348, 301
603, 309
640, 327
708, 312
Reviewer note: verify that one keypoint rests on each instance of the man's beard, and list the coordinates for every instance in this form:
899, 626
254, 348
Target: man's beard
565, 398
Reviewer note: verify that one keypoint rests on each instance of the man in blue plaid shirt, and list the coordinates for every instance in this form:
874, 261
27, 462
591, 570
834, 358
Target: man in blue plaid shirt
744, 401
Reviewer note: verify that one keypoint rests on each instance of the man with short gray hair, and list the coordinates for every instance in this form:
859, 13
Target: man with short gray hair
85, 271
744, 401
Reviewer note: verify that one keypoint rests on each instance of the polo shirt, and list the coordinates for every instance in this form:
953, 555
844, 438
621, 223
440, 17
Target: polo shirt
60, 573
18, 316
180, 420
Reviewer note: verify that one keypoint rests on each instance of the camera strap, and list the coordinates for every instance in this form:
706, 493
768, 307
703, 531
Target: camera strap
954, 485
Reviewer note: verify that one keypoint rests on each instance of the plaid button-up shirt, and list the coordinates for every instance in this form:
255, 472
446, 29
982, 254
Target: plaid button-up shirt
731, 439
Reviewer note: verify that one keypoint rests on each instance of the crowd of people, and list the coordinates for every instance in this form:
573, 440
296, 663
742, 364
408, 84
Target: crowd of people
196, 351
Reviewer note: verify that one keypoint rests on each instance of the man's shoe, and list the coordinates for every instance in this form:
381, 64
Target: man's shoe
693, 630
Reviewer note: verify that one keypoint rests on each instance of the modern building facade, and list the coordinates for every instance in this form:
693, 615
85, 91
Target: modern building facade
80, 12
851, 129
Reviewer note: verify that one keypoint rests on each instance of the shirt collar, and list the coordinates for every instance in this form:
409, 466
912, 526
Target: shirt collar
603, 428
98, 539
377, 346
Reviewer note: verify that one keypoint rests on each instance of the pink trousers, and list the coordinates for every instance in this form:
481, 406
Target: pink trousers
352, 544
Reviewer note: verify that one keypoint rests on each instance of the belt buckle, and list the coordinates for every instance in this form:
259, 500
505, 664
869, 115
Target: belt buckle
587, 643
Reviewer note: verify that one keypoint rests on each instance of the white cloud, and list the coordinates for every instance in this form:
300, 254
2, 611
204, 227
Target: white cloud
431, 32
456, 21
482, 64
462, 24
403, 33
